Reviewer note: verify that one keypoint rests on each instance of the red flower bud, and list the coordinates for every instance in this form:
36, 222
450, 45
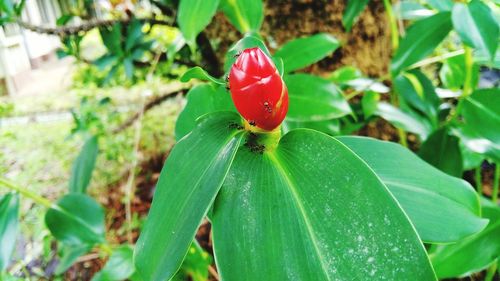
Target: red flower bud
257, 90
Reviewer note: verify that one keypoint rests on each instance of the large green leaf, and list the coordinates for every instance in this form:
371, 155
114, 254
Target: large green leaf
301, 52
9, 227
404, 120
314, 99
76, 219
202, 99
120, 265
310, 209
84, 166
352, 11
443, 152
421, 39
452, 73
480, 131
472, 254
442, 208
111, 36
245, 15
188, 184
194, 15
477, 27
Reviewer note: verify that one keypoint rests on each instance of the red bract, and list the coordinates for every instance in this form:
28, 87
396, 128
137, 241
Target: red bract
258, 92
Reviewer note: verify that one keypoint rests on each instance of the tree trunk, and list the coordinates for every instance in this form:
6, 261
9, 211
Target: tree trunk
367, 46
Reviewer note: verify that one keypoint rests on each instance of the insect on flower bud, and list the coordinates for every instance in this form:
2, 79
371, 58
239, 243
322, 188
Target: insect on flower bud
257, 90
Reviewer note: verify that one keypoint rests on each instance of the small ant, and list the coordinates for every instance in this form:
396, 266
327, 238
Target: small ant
238, 54
267, 107
252, 123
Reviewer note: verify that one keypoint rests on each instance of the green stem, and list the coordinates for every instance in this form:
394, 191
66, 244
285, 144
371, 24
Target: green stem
490, 273
395, 44
27, 193
479, 181
496, 180
393, 24
468, 72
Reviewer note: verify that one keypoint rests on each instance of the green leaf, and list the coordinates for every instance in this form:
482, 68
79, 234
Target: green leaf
330, 127
404, 120
105, 61
443, 152
111, 37
134, 34
407, 10
311, 210
188, 184
472, 254
418, 93
441, 5
194, 15
202, 99
69, 255
199, 73
9, 227
129, 67
195, 265
421, 39
441, 207
245, 15
120, 265
244, 43
76, 219
301, 52
84, 166
345, 74
314, 99
452, 73
477, 27
369, 103
481, 122
352, 12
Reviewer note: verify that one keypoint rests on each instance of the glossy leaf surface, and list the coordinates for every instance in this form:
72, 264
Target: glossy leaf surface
199, 73
83, 166
202, 99
421, 39
477, 27
311, 210
403, 120
194, 15
480, 131
442, 208
472, 254
76, 219
245, 15
188, 184
120, 265
301, 52
443, 152
9, 227
314, 99
352, 12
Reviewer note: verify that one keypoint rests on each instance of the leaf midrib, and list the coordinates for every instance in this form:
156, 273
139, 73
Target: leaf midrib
296, 199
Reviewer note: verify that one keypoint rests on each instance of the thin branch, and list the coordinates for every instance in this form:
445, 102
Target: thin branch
84, 27
150, 104
214, 273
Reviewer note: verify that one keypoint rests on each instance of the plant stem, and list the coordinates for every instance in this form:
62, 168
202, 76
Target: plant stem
395, 44
26, 193
393, 24
496, 180
490, 273
435, 59
468, 72
479, 181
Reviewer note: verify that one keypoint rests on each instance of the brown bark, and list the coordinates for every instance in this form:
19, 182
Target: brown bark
367, 46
